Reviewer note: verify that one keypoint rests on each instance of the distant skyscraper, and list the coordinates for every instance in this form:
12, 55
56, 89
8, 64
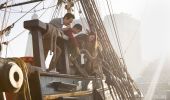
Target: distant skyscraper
128, 30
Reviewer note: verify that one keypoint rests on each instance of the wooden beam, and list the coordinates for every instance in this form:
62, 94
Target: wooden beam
37, 28
19, 4
35, 88
35, 23
73, 94
2, 96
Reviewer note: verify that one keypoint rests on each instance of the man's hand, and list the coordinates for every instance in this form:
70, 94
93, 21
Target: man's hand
66, 28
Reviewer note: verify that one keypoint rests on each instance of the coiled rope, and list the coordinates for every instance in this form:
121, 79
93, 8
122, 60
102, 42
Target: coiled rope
25, 89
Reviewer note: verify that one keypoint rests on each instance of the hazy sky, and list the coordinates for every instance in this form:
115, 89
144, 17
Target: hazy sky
155, 28
153, 14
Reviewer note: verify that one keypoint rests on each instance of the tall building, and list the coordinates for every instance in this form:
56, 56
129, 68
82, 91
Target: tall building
128, 30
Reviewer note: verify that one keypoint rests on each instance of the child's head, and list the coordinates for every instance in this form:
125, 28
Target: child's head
77, 28
92, 36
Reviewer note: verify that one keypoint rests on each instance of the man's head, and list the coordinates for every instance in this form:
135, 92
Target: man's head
68, 18
77, 28
92, 36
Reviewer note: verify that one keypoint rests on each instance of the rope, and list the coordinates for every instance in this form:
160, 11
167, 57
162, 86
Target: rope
125, 68
56, 10
7, 42
89, 56
46, 10
16, 11
81, 12
25, 70
116, 32
130, 42
10, 26
3, 19
8, 16
50, 43
26, 13
7, 33
115, 71
52, 32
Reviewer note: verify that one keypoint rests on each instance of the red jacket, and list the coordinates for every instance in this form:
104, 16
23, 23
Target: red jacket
72, 39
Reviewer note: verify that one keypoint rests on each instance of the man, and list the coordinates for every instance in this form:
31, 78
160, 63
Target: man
92, 63
66, 20
52, 36
73, 43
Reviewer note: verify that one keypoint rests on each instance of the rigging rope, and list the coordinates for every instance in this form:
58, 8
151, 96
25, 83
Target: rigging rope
7, 42
26, 13
118, 77
116, 32
3, 21
16, 11
110, 27
128, 76
81, 13
8, 32
10, 26
130, 42
7, 29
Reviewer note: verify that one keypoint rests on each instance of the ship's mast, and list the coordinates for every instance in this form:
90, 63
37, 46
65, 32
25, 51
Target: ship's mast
69, 6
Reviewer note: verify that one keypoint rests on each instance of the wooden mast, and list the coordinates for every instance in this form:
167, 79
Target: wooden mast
69, 6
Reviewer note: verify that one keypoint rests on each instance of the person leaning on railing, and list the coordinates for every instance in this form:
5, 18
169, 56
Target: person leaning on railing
51, 40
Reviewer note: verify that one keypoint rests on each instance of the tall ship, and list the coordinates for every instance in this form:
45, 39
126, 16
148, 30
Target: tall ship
64, 66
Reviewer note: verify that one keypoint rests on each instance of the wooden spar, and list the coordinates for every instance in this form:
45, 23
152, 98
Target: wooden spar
72, 94
37, 28
19, 4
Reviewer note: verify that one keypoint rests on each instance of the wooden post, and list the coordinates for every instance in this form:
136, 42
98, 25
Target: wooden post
67, 66
35, 87
37, 28
69, 8
2, 96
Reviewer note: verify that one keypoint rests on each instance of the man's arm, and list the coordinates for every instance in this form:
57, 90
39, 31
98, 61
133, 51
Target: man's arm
73, 40
56, 22
69, 33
